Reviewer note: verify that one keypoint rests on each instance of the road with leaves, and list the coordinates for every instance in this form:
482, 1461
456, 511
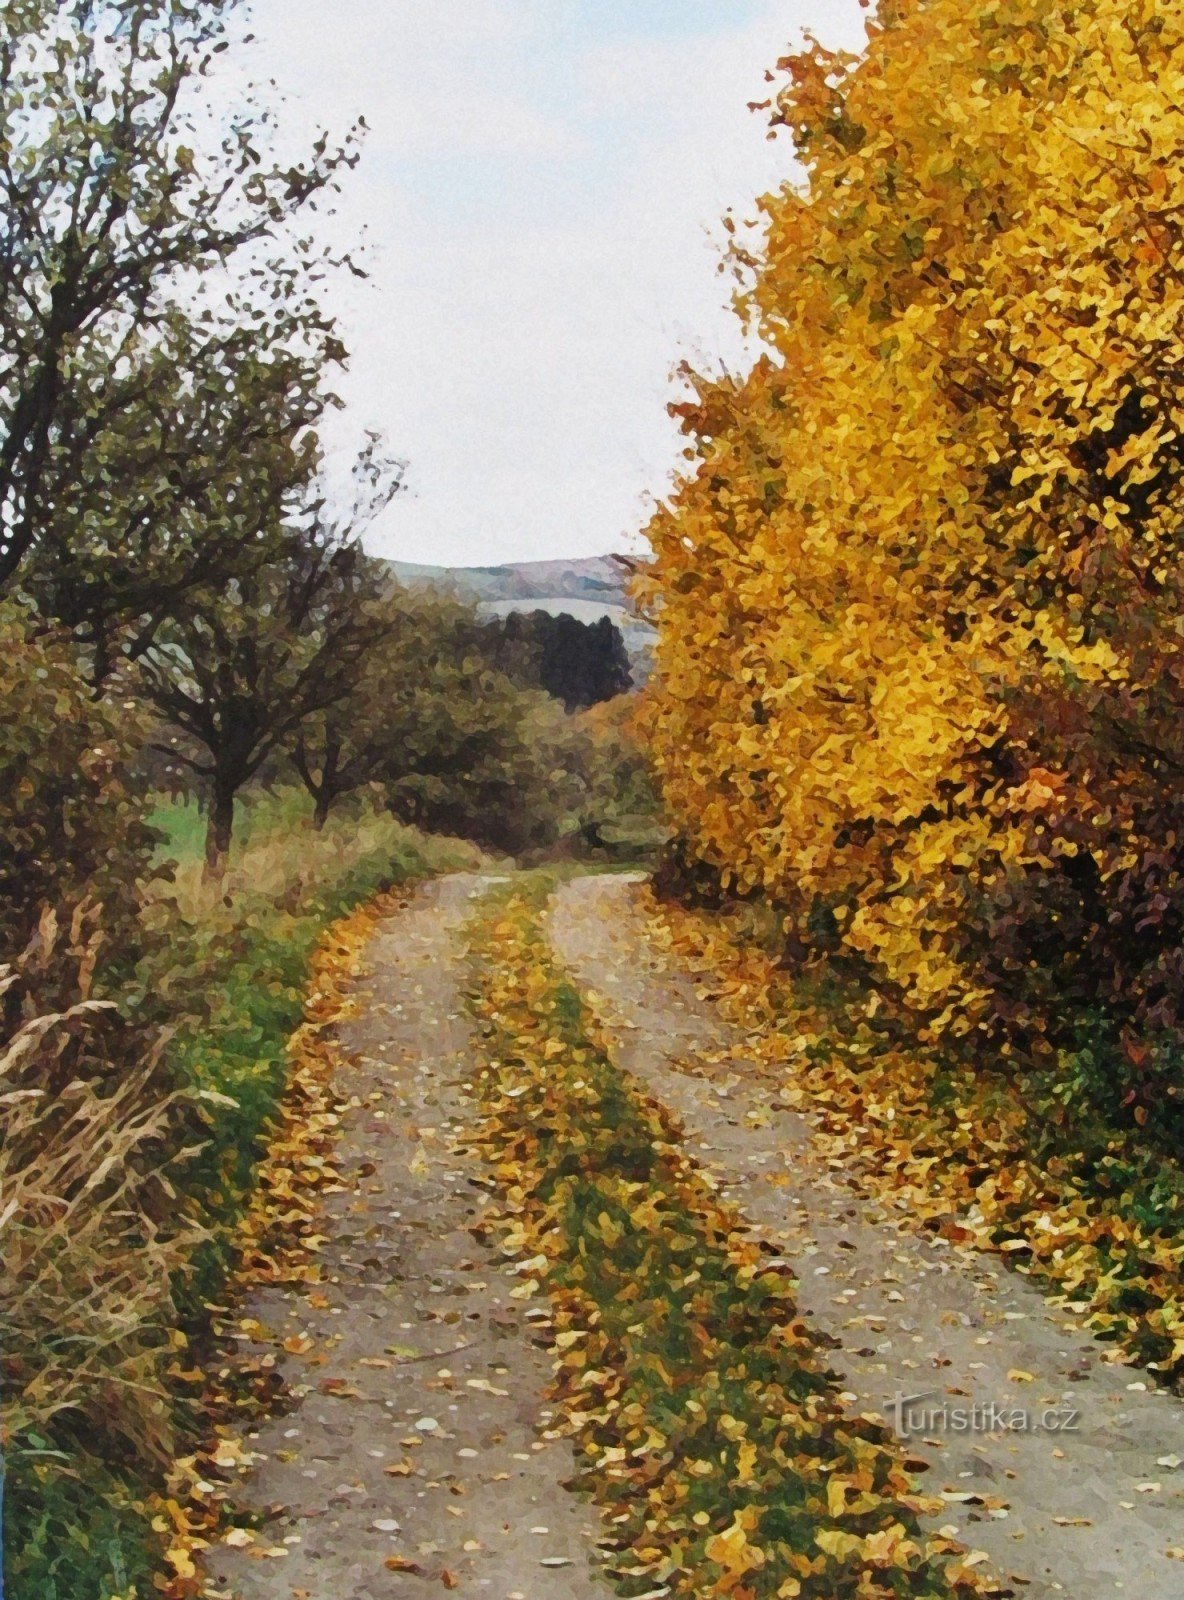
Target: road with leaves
597, 1307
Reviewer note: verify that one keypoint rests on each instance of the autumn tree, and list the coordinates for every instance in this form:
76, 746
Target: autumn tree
238, 670
161, 338
918, 595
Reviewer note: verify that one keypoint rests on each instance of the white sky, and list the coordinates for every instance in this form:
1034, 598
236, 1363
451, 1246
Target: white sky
541, 191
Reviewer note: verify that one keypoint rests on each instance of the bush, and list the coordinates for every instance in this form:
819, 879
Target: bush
73, 825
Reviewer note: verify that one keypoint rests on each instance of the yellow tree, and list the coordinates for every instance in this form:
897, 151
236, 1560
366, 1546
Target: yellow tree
920, 664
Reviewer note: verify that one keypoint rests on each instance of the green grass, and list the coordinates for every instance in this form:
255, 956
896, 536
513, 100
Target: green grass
265, 815
75, 1530
229, 970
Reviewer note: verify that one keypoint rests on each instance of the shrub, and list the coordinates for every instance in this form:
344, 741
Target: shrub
919, 597
72, 822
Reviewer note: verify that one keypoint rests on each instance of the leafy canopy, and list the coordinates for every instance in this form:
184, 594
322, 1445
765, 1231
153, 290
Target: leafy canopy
919, 592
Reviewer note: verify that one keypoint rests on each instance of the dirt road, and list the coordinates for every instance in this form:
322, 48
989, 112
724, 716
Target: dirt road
418, 1452
420, 1440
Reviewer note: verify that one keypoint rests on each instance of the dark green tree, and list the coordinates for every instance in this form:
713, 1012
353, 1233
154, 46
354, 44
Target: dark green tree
580, 663
161, 335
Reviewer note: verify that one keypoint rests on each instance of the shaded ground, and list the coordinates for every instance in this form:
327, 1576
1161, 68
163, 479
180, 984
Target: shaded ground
417, 1453
1080, 1513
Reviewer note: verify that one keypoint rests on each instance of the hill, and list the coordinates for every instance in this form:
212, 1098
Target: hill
588, 589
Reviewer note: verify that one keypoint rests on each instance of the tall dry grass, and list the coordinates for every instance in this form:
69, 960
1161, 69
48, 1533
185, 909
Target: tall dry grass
85, 1199
280, 861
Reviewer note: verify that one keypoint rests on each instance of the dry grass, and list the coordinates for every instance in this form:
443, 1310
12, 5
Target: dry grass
280, 859
85, 1298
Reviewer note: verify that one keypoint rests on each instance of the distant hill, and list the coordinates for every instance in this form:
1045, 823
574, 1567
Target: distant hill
594, 578
587, 589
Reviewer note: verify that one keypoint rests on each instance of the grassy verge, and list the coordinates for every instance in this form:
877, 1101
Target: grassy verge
231, 976
706, 1421
243, 948
1015, 1162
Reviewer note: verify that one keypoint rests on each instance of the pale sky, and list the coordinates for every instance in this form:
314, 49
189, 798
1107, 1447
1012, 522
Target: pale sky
542, 190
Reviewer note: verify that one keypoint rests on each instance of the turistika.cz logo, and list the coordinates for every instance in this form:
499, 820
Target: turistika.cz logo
927, 1413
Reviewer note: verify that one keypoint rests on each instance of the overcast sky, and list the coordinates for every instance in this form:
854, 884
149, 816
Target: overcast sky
542, 189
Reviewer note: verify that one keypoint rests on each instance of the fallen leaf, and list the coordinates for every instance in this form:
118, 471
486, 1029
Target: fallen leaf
401, 1564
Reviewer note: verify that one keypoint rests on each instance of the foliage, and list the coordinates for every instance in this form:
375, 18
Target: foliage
706, 1421
238, 670
497, 766
73, 824
77, 1533
620, 813
91, 1244
579, 663
371, 734
458, 746
442, 719
145, 436
919, 599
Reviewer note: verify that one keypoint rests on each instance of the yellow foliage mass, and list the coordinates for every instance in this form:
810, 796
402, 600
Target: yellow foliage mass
934, 531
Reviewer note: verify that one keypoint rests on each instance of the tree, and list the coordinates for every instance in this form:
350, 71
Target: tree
918, 596
580, 663
458, 744
360, 737
238, 670
476, 755
159, 327
207, 451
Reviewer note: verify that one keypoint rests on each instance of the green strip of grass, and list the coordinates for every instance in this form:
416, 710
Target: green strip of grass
707, 1423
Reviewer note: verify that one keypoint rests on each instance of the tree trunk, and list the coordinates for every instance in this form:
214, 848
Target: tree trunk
219, 830
320, 815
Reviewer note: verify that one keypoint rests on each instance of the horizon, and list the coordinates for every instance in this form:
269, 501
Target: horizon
542, 189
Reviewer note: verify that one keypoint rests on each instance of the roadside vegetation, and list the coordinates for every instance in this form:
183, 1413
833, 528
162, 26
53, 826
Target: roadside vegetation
917, 713
131, 1153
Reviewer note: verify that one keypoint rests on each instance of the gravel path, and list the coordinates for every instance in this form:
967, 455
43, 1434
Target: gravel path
417, 1455
420, 1437
1086, 1512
